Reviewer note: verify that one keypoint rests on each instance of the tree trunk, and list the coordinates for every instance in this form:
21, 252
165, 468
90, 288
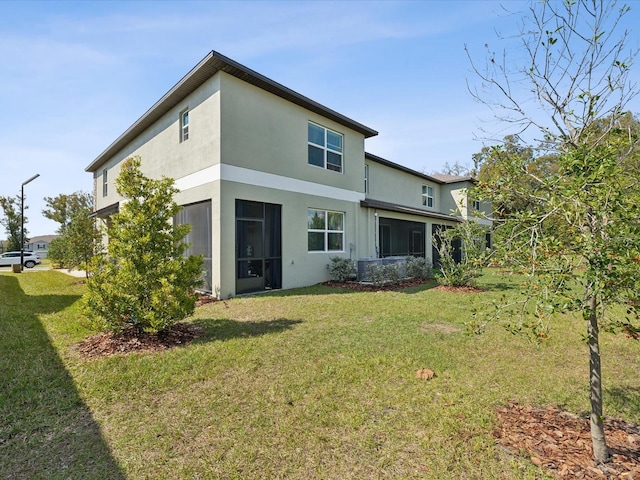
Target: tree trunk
600, 450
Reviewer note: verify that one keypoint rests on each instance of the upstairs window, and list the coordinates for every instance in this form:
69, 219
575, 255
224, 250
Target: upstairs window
325, 231
325, 148
366, 178
184, 125
475, 204
427, 196
104, 183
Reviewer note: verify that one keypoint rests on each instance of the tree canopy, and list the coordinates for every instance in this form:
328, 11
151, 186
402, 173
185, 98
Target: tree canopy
568, 204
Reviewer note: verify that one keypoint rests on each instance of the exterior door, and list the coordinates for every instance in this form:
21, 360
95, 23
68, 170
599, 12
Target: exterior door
258, 246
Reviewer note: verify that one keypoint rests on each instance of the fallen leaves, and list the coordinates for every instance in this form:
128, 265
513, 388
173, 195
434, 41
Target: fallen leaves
560, 443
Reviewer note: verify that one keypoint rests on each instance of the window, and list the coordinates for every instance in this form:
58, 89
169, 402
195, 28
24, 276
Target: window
427, 196
325, 148
184, 125
476, 205
325, 231
366, 178
104, 183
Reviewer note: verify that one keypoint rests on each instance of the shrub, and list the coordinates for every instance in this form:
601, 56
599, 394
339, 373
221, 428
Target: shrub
143, 281
418, 267
342, 269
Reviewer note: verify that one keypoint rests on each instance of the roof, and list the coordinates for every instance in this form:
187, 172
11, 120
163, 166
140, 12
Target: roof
213, 63
436, 178
43, 238
394, 207
446, 178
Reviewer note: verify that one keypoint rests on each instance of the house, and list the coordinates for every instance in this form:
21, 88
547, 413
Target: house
40, 244
273, 183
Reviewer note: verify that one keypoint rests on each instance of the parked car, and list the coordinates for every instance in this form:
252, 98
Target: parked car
13, 258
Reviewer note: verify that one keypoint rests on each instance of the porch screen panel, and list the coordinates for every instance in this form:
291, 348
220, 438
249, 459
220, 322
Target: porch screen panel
198, 215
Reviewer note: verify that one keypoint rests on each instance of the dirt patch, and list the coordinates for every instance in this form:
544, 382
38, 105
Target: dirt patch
369, 287
107, 344
560, 443
439, 328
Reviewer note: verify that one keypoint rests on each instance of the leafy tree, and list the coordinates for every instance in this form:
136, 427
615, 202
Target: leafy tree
63, 208
472, 239
57, 251
12, 222
79, 238
143, 281
577, 65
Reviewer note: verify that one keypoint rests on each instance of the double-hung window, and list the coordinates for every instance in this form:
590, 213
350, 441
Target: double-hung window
184, 125
325, 148
325, 231
427, 196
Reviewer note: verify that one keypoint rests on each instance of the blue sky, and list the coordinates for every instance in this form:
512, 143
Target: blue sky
74, 75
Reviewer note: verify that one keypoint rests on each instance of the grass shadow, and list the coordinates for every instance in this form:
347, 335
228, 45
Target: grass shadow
625, 399
46, 430
222, 329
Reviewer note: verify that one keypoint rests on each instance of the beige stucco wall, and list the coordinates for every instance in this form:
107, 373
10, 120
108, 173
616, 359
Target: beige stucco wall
299, 267
261, 131
395, 186
160, 148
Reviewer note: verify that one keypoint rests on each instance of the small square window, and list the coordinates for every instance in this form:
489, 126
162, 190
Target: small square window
325, 148
427, 196
325, 231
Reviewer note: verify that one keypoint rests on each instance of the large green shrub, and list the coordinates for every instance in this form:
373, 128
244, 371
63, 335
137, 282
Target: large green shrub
143, 281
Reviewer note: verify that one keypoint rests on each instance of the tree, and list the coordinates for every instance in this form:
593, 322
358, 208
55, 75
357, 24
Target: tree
12, 222
79, 238
63, 208
577, 65
143, 281
471, 237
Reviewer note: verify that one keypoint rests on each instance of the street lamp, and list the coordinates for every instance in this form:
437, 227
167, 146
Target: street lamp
22, 219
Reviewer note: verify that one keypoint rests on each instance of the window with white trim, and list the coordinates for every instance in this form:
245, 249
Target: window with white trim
475, 205
325, 148
325, 231
366, 178
184, 125
105, 185
427, 196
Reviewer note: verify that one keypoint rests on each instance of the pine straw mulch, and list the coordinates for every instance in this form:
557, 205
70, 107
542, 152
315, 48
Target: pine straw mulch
560, 443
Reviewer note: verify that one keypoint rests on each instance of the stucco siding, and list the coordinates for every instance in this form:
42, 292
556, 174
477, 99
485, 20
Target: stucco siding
262, 132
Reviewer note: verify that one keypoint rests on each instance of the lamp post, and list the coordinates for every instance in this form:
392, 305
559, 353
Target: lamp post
22, 219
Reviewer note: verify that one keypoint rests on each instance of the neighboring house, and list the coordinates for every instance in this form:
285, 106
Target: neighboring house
273, 183
40, 245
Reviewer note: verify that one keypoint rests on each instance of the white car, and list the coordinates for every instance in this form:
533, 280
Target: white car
13, 258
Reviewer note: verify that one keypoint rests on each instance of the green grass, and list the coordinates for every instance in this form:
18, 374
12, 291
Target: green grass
312, 383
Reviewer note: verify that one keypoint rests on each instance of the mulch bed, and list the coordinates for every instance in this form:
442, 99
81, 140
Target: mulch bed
401, 285
369, 287
130, 340
560, 443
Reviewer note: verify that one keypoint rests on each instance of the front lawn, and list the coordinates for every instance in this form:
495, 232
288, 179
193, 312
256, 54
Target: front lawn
314, 383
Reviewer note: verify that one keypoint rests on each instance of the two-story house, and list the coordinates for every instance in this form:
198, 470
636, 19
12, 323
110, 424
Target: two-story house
273, 183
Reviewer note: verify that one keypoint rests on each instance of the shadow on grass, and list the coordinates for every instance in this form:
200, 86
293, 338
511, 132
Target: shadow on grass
625, 399
46, 430
226, 329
